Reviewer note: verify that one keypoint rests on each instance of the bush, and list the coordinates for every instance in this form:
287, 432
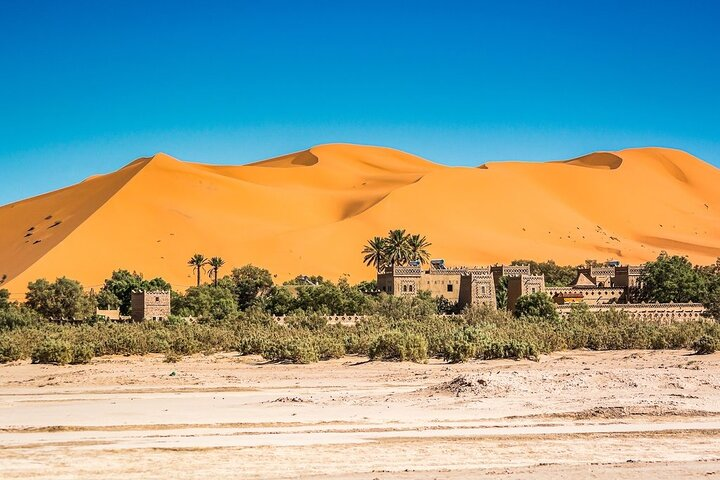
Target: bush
13, 316
9, 351
705, 345
328, 347
56, 352
172, 357
293, 350
399, 345
82, 353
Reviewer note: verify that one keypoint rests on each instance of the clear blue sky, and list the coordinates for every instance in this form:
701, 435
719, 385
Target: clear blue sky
86, 87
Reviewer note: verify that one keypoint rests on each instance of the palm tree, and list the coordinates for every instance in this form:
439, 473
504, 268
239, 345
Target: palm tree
397, 251
418, 249
374, 253
216, 264
197, 262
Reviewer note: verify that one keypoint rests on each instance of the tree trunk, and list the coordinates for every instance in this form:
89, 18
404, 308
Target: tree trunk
198, 276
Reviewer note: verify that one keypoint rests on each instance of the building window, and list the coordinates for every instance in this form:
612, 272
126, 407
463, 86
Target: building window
450, 287
157, 299
410, 288
482, 290
404, 288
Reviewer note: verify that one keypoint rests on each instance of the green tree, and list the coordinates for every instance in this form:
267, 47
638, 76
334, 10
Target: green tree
672, 279
368, 287
4, 298
501, 294
15, 315
249, 283
197, 262
63, 299
555, 275
216, 263
418, 249
397, 248
374, 253
536, 305
279, 301
107, 300
332, 299
208, 303
711, 278
120, 286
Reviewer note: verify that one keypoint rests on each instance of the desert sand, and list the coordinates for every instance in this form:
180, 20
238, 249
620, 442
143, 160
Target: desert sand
630, 414
312, 211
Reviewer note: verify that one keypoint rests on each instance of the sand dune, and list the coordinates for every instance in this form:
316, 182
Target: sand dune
311, 212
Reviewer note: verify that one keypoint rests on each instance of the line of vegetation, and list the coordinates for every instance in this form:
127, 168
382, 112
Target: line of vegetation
235, 312
407, 331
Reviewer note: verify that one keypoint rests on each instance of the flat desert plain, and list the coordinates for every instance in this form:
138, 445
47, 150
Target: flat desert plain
578, 414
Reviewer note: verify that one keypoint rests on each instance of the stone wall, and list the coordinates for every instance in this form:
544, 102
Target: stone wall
150, 305
477, 289
591, 295
661, 312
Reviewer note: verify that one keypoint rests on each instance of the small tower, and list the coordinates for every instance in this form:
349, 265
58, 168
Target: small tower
523, 285
150, 305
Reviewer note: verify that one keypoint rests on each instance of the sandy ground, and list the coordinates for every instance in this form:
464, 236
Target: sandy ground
634, 414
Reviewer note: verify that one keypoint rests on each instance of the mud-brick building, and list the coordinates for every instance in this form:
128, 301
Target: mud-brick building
462, 285
523, 285
150, 305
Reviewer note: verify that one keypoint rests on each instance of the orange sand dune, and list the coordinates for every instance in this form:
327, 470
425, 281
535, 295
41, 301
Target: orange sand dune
312, 211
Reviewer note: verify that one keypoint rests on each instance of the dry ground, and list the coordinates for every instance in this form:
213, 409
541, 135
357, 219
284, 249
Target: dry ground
635, 414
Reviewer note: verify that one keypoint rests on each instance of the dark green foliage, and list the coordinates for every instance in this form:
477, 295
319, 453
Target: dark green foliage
480, 333
82, 353
420, 306
555, 275
4, 298
121, 284
399, 345
249, 284
368, 287
536, 305
711, 277
672, 279
207, 302
53, 351
322, 297
706, 345
398, 248
15, 316
329, 298
107, 300
446, 307
9, 350
501, 294
63, 299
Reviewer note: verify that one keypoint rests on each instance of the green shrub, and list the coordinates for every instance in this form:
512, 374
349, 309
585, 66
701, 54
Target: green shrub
705, 345
13, 316
172, 357
53, 351
82, 353
328, 347
290, 349
399, 345
9, 351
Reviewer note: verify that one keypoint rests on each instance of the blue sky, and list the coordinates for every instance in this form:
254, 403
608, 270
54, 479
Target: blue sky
86, 87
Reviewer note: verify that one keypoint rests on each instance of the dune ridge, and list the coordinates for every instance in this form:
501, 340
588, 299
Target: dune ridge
310, 212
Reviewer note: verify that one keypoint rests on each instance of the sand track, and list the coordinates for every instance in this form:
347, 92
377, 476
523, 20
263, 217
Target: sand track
606, 414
